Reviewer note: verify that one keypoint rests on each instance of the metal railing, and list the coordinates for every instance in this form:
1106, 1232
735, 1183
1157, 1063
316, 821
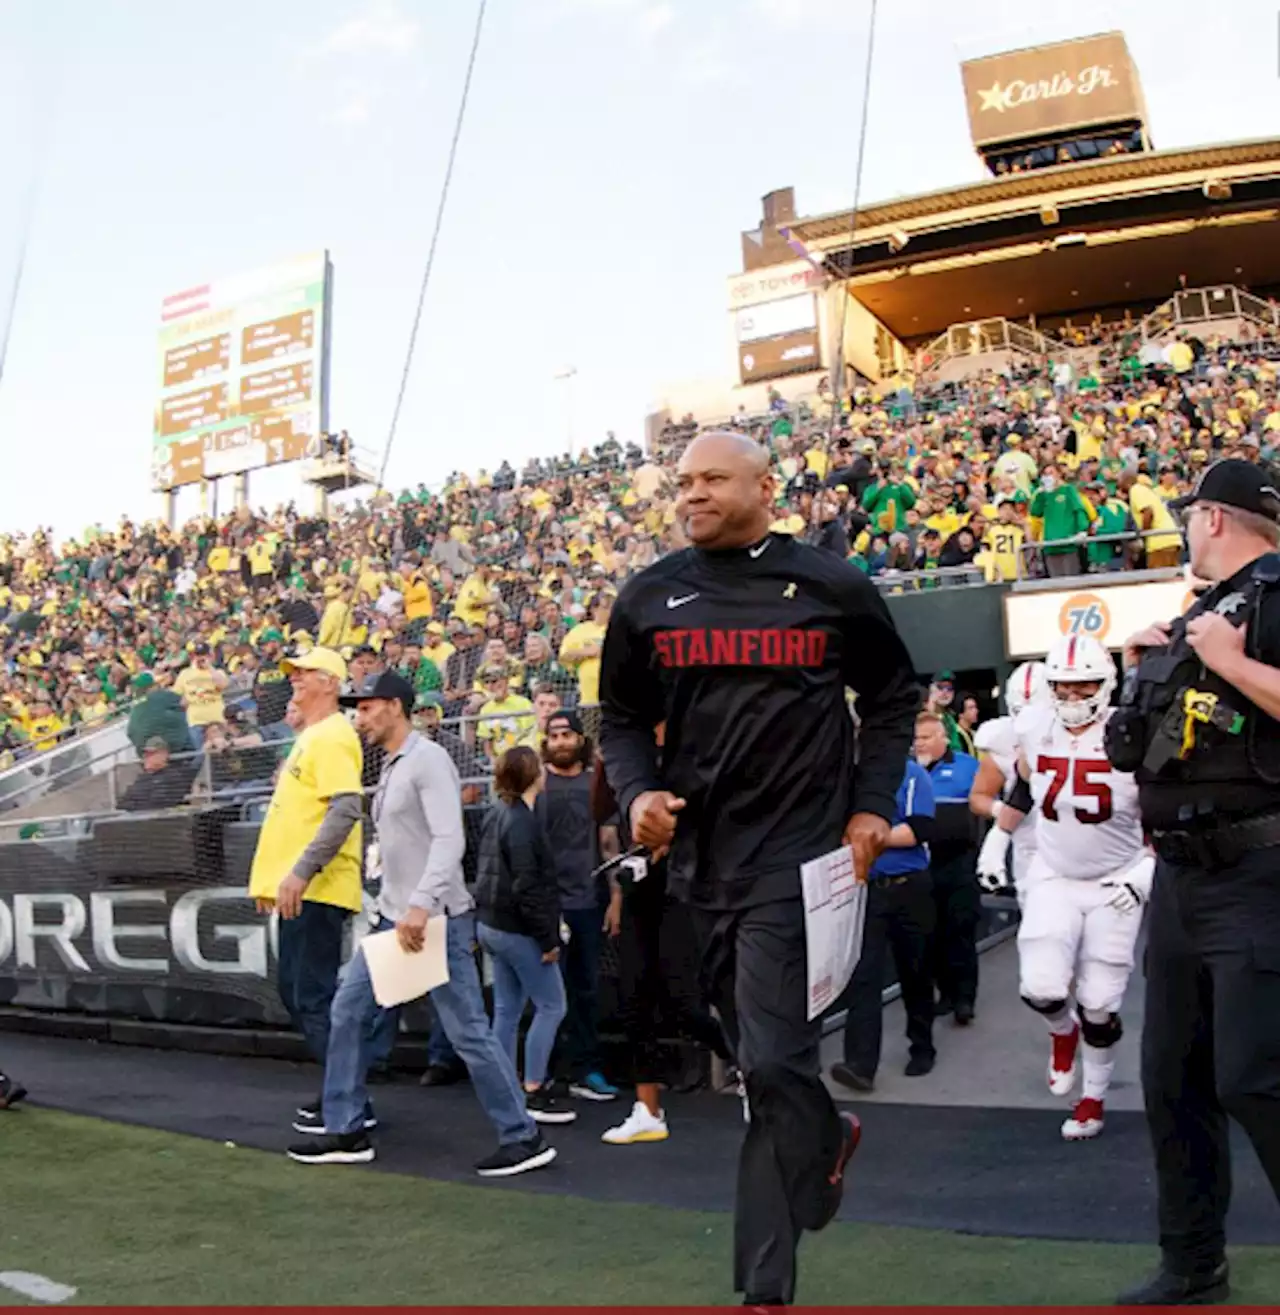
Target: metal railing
1196, 305
975, 574
978, 336
1081, 543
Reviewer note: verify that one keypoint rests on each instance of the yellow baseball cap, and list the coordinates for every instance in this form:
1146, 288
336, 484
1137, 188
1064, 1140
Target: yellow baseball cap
317, 659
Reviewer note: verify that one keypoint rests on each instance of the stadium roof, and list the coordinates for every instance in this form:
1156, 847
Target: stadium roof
1138, 168
1089, 234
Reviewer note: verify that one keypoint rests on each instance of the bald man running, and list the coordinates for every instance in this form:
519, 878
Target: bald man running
744, 644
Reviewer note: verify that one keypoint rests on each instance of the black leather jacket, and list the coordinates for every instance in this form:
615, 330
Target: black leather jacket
516, 888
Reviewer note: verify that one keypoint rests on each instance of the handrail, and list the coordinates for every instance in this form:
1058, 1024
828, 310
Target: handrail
971, 337
1087, 540
1196, 305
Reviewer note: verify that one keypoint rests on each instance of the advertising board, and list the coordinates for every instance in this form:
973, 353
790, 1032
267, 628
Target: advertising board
1109, 613
1043, 91
242, 372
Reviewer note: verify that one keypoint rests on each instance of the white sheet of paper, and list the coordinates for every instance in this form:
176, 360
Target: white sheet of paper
399, 976
835, 910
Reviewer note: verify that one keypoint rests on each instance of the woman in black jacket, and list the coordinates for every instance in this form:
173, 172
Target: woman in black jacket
518, 926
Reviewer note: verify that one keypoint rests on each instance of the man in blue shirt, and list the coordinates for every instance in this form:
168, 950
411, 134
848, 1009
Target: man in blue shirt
900, 917
953, 855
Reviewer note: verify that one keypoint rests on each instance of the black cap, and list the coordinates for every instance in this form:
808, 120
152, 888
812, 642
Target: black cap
568, 717
1235, 483
384, 685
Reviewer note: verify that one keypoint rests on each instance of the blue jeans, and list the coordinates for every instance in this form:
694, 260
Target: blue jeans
580, 968
520, 975
459, 1005
197, 736
440, 1053
310, 958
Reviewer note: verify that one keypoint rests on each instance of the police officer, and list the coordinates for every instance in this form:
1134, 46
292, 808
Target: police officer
1199, 723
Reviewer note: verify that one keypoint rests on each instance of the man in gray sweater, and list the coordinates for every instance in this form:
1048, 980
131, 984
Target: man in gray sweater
417, 816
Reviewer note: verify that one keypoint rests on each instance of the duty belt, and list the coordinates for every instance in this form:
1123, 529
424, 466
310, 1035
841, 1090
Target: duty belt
1218, 846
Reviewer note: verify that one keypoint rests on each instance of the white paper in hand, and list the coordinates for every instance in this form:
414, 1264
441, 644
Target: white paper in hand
835, 909
399, 976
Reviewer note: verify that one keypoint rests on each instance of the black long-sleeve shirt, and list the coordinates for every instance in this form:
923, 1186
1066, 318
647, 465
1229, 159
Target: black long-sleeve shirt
745, 654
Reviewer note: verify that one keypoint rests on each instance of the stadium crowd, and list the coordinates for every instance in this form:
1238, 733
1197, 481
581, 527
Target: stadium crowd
493, 592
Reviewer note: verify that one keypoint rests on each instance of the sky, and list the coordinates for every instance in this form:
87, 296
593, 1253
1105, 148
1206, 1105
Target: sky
612, 153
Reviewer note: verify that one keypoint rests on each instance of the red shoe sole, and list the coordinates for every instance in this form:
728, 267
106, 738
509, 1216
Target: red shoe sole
852, 1138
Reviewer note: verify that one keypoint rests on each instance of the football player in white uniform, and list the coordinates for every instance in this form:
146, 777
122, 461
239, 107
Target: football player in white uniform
998, 772
1091, 876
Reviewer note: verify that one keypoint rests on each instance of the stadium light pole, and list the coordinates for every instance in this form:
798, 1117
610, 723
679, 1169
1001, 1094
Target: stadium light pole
567, 376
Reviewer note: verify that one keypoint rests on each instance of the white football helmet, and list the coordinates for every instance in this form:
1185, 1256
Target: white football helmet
1025, 687
1075, 659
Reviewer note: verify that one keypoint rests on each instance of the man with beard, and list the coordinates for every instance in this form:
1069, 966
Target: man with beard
564, 808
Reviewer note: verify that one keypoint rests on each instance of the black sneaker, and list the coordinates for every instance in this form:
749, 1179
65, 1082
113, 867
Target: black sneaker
848, 1076
11, 1092
1165, 1288
341, 1148
310, 1119
519, 1157
442, 1075
833, 1188
964, 1013
543, 1107
919, 1065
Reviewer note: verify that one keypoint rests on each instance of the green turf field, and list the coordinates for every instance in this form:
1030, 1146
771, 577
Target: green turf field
131, 1216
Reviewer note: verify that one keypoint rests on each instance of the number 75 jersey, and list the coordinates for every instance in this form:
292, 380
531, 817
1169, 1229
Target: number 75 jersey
1086, 813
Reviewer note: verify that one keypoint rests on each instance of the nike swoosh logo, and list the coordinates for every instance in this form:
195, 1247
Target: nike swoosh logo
759, 548
680, 602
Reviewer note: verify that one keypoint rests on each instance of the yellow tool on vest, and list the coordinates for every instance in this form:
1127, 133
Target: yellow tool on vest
1200, 707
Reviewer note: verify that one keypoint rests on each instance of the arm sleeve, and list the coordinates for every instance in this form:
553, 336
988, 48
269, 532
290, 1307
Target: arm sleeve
918, 807
533, 884
878, 669
630, 708
340, 816
1020, 798
922, 827
440, 795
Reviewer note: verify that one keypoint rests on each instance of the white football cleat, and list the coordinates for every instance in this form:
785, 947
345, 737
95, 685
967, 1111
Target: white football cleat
1062, 1061
1085, 1121
638, 1126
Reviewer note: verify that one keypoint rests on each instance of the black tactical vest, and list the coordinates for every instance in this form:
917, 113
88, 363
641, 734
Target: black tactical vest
1233, 766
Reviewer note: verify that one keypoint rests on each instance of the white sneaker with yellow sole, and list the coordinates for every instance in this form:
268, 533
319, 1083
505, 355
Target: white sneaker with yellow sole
638, 1126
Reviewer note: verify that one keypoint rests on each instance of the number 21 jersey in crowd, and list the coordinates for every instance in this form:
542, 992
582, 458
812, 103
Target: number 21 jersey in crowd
1087, 821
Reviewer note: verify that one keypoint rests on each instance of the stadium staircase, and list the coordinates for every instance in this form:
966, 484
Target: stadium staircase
1224, 310
80, 774
979, 346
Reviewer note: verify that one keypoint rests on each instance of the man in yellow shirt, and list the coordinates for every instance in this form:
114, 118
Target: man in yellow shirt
201, 686
416, 593
1003, 542
1151, 513
581, 649
505, 718
44, 725
307, 865
476, 595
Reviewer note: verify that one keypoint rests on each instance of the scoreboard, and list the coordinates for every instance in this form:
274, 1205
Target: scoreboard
243, 373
